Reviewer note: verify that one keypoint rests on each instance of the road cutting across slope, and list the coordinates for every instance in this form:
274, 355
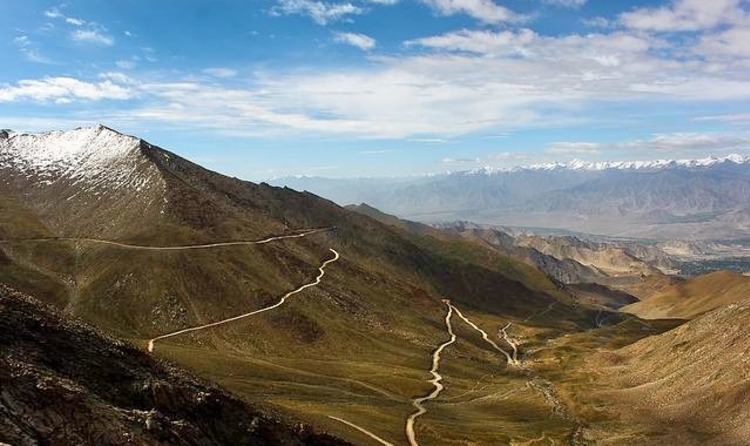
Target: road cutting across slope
510, 341
436, 380
363, 430
281, 302
300, 234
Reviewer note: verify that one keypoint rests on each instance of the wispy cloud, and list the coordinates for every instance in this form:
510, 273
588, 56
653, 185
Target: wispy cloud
573, 148
486, 11
686, 15
75, 21
429, 140
691, 141
376, 152
460, 160
361, 41
88, 32
321, 12
29, 50
64, 90
219, 72
92, 36
53, 13
733, 118
126, 64
666, 144
566, 3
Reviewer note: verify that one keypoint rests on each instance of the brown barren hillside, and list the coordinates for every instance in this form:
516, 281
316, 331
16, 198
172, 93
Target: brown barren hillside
688, 386
693, 297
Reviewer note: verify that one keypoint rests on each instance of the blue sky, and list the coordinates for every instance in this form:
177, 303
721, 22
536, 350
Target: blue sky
266, 88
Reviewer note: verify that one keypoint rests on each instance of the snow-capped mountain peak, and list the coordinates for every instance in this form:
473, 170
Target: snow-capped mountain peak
42, 150
97, 156
582, 165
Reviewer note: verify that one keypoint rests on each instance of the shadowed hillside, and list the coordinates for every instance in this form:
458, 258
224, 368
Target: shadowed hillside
65, 383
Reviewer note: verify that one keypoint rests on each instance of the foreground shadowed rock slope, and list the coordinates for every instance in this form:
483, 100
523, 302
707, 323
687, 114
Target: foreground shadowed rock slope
65, 383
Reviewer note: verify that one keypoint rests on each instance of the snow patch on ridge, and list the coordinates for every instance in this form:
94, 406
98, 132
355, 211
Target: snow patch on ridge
98, 156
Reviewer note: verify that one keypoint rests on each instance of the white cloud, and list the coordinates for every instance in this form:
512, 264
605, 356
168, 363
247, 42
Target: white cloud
735, 118
117, 77
64, 90
567, 3
466, 81
667, 144
686, 15
360, 41
459, 160
93, 33
376, 151
480, 42
429, 140
689, 141
22, 41
53, 13
74, 21
92, 36
486, 11
596, 22
461, 82
221, 72
573, 148
733, 42
321, 12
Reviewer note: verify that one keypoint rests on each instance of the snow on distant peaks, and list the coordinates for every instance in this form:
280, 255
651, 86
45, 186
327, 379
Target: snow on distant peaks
92, 154
581, 165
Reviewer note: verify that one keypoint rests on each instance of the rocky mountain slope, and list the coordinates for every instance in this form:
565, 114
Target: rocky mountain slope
91, 181
695, 296
571, 259
65, 383
608, 258
562, 269
667, 199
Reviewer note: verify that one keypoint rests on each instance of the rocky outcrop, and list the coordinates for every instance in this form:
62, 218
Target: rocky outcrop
64, 383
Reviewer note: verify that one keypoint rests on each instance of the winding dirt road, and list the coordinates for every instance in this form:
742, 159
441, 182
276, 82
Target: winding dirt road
363, 430
283, 299
510, 341
436, 380
511, 360
301, 234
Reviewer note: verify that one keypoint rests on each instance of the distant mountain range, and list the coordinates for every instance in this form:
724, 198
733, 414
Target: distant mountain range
664, 199
626, 165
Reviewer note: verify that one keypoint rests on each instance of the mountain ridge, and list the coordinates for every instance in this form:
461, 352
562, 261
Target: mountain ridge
701, 200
